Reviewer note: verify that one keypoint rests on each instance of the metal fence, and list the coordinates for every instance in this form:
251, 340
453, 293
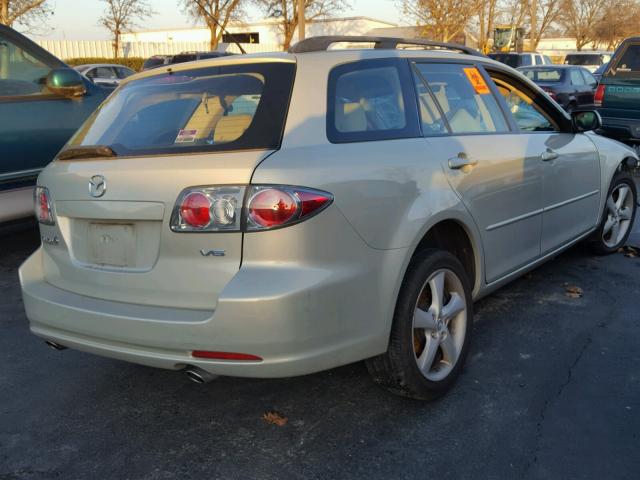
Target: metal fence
65, 49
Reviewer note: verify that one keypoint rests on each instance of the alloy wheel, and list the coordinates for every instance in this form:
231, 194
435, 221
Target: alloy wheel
619, 212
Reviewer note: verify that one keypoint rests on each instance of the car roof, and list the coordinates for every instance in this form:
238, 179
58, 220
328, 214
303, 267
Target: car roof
93, 65
555, 66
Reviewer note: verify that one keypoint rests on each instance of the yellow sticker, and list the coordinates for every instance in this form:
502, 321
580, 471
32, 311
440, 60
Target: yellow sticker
477, 81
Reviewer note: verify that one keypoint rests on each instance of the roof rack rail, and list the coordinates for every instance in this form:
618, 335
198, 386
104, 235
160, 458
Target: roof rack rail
322, 43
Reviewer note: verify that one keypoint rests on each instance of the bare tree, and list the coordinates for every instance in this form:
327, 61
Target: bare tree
286, 12
120, 17
620, 19
487, 15
215, 13
441, 19
28, 13
580, 18
542, 15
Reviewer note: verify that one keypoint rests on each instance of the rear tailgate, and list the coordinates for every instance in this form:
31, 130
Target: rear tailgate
120, 247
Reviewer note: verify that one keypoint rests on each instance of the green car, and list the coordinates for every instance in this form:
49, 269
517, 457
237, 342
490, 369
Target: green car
618, 95
42, 103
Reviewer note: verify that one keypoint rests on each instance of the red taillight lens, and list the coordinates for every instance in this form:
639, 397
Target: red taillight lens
273, 207
219, 208
599, 96
44, 213
226, 356
196, 210
551, 93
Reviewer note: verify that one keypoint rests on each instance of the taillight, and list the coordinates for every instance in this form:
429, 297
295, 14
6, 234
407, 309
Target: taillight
279, 206
44, 213
219, 208
208, 209
551, 93
598, 97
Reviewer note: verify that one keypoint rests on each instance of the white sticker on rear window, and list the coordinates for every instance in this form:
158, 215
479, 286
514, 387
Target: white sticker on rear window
186, 136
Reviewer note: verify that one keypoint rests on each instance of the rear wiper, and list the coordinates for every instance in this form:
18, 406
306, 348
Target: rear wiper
93, 151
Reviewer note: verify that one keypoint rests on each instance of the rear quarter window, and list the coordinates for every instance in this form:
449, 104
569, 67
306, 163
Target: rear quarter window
371, 100
629, 60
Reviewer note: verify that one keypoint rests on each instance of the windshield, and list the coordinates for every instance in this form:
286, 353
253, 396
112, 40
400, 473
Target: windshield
506, 58
545, 75
209, 109
583, 59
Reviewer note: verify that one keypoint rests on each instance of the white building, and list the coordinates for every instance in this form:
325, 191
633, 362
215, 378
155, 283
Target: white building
265, 32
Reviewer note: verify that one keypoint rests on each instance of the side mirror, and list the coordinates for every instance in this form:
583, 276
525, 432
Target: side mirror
66, 82
586, 120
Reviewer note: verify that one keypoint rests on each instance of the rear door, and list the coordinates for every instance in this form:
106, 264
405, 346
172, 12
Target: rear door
496, 174
570, 163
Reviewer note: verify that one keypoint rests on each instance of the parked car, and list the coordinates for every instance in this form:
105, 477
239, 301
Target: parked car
618, 94
571, 87
42, 102
105, 75
600, 71
354, 211
589, 60
156, 61
193, 56
524, 59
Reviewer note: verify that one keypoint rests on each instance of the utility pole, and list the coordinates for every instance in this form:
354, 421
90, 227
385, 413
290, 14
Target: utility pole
301, 20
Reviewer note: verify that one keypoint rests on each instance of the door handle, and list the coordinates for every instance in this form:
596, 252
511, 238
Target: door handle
460, 161
548, 155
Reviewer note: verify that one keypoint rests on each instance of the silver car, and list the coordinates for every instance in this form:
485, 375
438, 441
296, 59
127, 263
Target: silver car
281, 214
105, 75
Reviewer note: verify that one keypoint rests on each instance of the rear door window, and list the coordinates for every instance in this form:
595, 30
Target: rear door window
576, 78
371, 100
464, 97
221, 108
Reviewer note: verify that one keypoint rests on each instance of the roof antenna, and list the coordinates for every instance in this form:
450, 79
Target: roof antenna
215, 20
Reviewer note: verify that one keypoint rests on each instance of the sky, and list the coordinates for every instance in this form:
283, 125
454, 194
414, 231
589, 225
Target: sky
78, 19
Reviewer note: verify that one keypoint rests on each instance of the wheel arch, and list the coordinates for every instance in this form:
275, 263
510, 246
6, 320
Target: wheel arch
457, 237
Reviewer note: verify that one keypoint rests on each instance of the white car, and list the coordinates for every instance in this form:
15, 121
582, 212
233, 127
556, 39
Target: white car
280, 214
105, 75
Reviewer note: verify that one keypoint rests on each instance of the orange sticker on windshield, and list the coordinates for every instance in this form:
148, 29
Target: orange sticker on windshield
477, 81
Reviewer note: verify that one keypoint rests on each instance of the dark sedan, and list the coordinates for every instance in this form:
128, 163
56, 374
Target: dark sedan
570, 86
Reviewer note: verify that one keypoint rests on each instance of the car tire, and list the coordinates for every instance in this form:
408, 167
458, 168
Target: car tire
617, 218
431, 329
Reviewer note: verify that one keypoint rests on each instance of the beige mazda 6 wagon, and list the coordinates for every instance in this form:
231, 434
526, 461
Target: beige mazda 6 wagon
277, 215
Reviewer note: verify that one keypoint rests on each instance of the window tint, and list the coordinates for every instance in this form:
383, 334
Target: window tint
209, 109
20, 73
546, 75
367, 102
525, 60
529, 116
539, 60
510, 59
630, 60
576, 78
464, 97
104, 72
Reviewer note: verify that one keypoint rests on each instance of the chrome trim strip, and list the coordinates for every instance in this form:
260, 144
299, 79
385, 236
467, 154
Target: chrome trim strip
514, 219
22, 173
541, 210
571, 200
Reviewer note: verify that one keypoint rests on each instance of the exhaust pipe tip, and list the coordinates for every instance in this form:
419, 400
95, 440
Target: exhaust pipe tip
55, 346
198, 375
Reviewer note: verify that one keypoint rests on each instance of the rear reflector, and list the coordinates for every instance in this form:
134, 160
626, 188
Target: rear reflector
225, 356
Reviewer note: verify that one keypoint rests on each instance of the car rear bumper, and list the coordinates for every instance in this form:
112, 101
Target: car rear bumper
291, 320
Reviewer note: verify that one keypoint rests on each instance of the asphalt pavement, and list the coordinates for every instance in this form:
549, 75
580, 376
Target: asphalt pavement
551, 390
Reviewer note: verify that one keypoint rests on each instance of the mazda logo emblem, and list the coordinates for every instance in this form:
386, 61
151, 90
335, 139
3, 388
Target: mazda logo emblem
97, 186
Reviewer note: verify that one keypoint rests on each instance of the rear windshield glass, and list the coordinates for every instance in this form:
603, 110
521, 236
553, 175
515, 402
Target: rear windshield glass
584, 59
545, 75
629, 60
153, 62
209, 109
506, 58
